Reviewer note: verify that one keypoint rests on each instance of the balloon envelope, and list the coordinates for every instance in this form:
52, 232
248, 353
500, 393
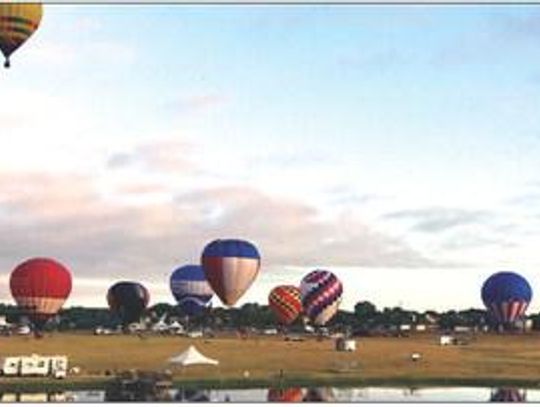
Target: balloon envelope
506, 295
230, 266
128, 299
18, 21
321, 295
40, 286
286, 303
190, 289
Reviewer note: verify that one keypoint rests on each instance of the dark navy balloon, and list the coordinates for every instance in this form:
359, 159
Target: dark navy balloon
128, 300
190, 289
506, 295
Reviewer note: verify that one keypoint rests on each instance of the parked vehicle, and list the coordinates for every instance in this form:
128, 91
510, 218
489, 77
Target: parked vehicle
35, 365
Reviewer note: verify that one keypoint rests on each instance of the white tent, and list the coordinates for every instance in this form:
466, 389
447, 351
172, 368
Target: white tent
176, 325
192, 357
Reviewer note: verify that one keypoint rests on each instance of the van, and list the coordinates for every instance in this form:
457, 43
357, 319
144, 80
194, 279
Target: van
34, 365
58, 366
195, 334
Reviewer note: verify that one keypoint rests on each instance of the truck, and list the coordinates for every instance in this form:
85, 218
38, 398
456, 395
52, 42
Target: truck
10, 366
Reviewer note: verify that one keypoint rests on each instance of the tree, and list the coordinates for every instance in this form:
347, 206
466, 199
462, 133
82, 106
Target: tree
365, 310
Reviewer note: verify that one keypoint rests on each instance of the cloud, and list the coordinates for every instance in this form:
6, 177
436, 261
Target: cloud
467, 241
165, 155
120, 160
65, 216
529, 197
292, 156
433, 220
345, 195
293, 233
194, 103
526, 200
41, 196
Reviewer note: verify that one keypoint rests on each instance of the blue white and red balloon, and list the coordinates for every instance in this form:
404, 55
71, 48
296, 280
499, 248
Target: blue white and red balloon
230, 266
506, 296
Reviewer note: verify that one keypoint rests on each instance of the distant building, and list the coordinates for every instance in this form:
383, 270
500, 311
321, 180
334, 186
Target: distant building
345, 345
462, 329
446, 340
431, 318
525, 325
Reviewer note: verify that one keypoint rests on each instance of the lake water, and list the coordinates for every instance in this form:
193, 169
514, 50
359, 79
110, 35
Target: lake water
295, 394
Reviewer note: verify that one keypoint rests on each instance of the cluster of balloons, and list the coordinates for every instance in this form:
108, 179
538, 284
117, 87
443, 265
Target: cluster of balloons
228, 268
318, 298
18, 21
40, 286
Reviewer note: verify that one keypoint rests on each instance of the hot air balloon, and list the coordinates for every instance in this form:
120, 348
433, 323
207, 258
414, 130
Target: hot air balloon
18, 21
286, 302
40, 286
128, 300
506, 295
190, 289
321, 295
230, 267
290, 395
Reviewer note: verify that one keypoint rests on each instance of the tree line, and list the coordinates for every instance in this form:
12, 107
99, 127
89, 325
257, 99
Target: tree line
365, 318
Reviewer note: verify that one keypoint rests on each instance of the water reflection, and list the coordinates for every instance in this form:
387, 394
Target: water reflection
320, 394
32, 397
137, 393
290, 395
192, 395
508, 394
283, 395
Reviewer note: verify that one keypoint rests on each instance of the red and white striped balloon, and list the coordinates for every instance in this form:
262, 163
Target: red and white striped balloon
40, 286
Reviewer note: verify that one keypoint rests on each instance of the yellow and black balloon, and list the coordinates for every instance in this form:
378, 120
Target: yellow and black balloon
18, 21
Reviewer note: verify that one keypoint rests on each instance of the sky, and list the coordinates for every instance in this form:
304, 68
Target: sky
397, 146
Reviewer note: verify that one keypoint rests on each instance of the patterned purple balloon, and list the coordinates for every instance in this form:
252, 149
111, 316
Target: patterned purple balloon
321, 295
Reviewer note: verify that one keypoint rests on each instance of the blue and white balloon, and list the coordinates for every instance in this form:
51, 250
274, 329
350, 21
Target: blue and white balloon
191, 289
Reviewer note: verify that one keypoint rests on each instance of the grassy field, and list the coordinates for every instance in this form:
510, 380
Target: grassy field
487, 359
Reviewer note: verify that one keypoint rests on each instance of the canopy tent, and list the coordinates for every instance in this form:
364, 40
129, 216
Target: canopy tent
192, 357
176, 325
